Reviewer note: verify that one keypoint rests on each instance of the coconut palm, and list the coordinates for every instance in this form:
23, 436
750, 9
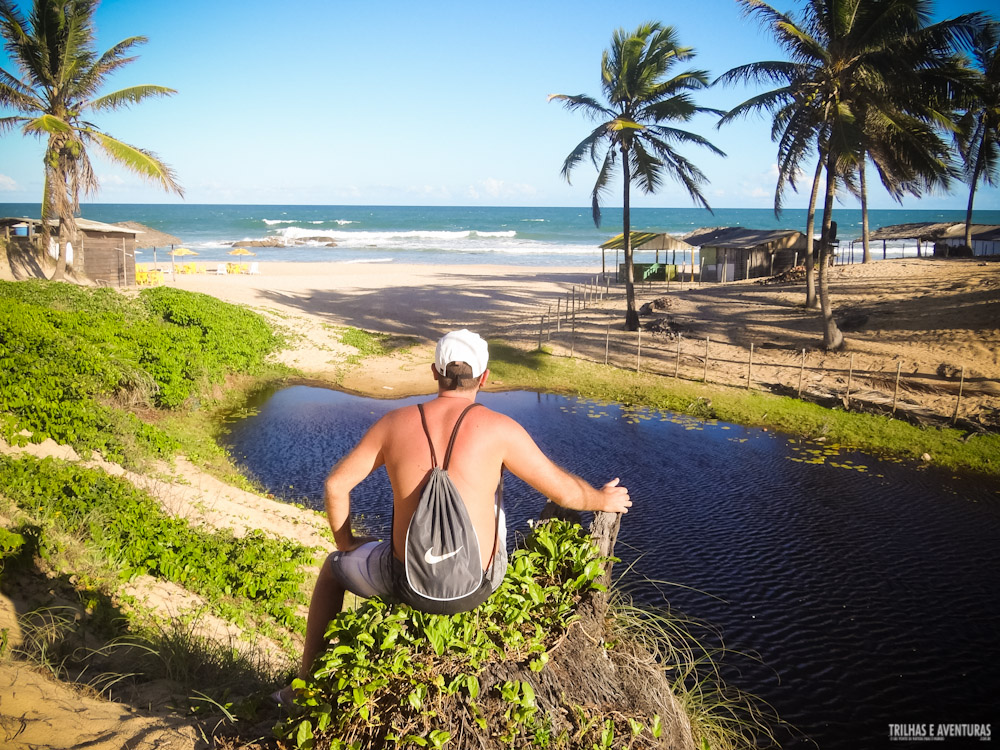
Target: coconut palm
979, 135
56, 90
866, 79
642, 95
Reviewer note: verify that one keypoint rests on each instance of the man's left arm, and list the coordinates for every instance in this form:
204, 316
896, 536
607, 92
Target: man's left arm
349, 472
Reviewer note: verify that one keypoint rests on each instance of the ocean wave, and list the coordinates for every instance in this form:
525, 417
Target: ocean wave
272, 222
426, 237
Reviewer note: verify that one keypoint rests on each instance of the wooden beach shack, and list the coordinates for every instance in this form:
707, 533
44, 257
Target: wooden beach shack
943, 237
737, 253
105, 252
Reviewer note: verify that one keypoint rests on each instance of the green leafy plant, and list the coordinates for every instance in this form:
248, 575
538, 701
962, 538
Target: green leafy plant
396, 677
129, 527
75, 364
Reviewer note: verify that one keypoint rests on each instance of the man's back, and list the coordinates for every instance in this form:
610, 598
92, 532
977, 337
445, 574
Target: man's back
476, 461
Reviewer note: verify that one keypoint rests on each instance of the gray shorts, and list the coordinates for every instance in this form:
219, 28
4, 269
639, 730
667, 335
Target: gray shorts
372, 570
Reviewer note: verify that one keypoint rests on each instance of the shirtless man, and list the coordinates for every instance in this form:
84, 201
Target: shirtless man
486, 443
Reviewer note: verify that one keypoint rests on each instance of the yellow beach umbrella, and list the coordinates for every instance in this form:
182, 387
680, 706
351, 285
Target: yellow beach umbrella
240, 251
174, 253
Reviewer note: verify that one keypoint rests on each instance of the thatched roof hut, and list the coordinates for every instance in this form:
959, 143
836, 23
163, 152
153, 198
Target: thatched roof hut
943, 235
147, 237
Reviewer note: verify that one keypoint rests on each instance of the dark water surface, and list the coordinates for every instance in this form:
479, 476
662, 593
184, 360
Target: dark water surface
870, 590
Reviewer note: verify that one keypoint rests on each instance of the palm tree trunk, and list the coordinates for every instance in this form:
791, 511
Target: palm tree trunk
976, 172
811, 301
631, 316
833, 339
864, 213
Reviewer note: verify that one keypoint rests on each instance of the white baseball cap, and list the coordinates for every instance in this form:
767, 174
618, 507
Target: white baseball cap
462, 346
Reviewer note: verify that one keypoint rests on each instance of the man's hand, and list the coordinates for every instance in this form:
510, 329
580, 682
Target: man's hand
615, 498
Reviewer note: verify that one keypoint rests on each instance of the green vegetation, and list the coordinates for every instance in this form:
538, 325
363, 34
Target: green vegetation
129, 529
370, 344
86, 367
879, 435
401, 678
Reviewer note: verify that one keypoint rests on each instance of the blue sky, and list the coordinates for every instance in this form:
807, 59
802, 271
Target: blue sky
403, 103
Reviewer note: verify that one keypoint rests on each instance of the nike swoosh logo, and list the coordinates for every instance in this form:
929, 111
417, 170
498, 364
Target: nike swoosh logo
433, 559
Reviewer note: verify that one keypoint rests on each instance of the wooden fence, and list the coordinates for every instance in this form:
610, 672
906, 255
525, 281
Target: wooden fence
586, 323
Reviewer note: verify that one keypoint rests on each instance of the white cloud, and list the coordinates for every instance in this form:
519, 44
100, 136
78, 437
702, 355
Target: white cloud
7, 184
494, 188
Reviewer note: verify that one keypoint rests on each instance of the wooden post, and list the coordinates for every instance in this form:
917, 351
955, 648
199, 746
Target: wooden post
574, 300
750, 367
607, 342
705, 376
850, 377
558, 314
541, 329
802, 368
677, 357
548, 318
572, 337
895, 391
958, 404
638, 349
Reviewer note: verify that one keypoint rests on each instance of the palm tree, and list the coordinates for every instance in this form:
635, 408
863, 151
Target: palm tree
641, 95
55, 93
979, 135
867, 78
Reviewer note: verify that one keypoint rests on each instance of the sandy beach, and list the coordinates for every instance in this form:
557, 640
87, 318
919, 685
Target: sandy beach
927, 317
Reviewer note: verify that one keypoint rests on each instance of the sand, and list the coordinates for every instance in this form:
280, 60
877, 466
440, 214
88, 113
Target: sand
923, 316
927, 317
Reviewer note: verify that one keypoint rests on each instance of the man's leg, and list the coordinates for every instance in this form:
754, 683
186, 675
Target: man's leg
327, 601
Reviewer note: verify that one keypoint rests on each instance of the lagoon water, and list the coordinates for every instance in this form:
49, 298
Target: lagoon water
869, 590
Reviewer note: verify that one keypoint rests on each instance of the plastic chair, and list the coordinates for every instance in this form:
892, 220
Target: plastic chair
254, 268
221, 270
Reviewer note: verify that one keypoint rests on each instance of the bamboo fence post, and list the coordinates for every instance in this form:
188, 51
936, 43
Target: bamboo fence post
607, 342
895, 391
677, 357
572, 337
638, 349
705, 376
558, 314
548, 319
541, 329
750, 367
574, 300
850, 377
802, 367
958, 404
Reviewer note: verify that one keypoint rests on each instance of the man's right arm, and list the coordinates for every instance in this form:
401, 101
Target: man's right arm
349, 472
526, 460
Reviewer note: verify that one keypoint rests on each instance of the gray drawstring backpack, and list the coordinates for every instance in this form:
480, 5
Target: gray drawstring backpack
442, 569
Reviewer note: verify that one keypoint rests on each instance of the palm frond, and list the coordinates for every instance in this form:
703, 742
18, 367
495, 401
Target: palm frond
581, 101
604, 176
49, 124
127, 96
139, 161
587, 146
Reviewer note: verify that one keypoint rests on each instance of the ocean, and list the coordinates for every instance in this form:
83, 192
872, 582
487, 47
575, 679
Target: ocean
459, 234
